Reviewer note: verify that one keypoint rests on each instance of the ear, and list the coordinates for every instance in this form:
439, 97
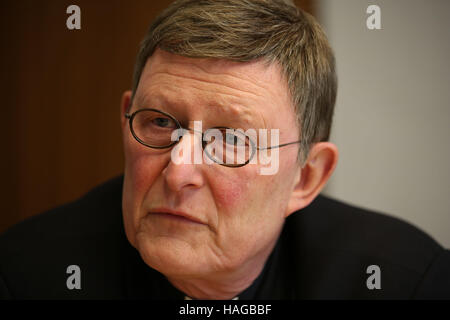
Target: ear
319, 166
124, 106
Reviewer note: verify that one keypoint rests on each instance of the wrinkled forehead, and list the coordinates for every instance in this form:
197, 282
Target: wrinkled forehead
254, 89
254, 75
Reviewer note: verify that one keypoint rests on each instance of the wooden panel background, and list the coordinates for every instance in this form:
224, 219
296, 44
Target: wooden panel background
61, 92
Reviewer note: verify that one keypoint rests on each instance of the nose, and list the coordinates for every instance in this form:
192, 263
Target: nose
184, 168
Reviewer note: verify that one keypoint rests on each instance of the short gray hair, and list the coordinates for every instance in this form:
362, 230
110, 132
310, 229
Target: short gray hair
275, 31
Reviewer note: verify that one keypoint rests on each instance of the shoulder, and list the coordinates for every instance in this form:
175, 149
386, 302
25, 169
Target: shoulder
337, 242
39, 250
333, 222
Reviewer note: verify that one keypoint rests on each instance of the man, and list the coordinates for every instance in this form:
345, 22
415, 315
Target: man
225, 138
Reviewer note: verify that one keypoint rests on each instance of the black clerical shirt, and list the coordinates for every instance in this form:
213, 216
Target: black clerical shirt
323, 252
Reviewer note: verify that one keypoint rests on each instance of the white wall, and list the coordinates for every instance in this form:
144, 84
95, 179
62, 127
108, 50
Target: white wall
392, 119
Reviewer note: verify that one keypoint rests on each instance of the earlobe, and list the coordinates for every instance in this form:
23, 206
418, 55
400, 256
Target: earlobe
124, 105
321, 162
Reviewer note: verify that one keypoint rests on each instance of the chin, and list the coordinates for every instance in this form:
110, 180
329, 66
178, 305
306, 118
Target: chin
171, 257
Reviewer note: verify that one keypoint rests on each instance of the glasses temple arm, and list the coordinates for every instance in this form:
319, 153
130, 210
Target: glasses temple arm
279, 146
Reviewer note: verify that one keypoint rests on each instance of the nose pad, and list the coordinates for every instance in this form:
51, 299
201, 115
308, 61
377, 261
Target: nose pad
188, 149
183, 168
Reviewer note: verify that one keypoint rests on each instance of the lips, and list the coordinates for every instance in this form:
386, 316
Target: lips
176, 214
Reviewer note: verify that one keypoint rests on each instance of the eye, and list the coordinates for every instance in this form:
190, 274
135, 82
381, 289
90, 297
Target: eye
230, 138
163, 122
233, 139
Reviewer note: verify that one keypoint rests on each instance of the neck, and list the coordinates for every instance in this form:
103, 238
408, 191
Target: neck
218, 287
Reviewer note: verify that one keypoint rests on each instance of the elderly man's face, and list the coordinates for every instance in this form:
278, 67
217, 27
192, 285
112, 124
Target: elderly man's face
237, 213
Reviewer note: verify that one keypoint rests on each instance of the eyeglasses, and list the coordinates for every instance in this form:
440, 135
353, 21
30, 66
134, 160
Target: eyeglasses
155, 129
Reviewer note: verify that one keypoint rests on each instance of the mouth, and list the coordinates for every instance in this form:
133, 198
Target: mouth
175, 215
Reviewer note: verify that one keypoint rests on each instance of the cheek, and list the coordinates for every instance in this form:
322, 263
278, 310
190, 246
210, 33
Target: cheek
251, 201
141, 166
235, 190
141, 171
229, 193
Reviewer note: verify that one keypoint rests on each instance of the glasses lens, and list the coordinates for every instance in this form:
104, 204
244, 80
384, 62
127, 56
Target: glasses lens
154, 128
229, 147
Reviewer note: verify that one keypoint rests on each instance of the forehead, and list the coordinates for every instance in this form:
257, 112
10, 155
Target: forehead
253, 90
